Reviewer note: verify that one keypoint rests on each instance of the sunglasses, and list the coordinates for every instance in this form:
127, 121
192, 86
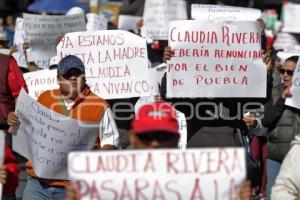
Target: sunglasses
289, 72
72, 72
160, 137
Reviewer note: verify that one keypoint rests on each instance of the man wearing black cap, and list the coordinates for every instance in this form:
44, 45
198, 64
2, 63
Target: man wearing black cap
74, 99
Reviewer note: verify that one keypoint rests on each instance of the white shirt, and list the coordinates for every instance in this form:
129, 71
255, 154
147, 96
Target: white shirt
108, 131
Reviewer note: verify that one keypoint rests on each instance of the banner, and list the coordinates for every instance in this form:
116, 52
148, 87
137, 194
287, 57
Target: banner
46, 137
294, 101
42, 32
158, 14
158, 174
2, 149
291, 17
128, 22
215, 59
228, 13
40, 81
116, 62
19, 39
95, 22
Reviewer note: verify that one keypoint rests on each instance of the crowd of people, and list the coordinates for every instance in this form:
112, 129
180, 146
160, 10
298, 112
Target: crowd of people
270, 131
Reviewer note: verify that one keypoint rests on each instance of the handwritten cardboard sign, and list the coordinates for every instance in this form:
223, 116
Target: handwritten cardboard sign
95, 22
285, 41
2, 149
19, 39
40, 81
46, 137
220, 12
42, 32
158, 14
294, 101
128, 22
215, 59
291, 17
158, 174
116, 62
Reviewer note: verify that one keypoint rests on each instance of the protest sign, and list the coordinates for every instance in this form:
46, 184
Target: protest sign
2, 149
215, 59
158, 174
128, 22
228, 13
5, 51
40, 81
42, 32
157, 15
291, 17
283, 55
19, 39
116, 63
95, 22
294, 101
284, 41
46, 137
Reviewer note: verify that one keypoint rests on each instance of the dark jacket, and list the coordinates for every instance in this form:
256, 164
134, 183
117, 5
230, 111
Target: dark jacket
215, 122
283, 124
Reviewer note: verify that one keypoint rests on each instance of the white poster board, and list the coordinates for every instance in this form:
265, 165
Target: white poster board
215, 59
157, 15
158, 174
283, 55
2, 149
128, 22
19, 39
116, 62
46, 137
291, 17
40, 81
95, 22
294, 101
42, 32
284, 41
5, 51
221, 12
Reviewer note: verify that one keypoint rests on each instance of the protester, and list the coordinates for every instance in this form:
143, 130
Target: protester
11, 82
10, 30
75, 99
155, 126
287, 184
283, 122
258, 145
9, 174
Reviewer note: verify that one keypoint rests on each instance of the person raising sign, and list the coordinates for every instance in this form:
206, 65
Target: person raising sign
74, 99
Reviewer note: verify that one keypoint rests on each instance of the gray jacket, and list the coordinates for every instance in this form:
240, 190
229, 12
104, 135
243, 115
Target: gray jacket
283, 124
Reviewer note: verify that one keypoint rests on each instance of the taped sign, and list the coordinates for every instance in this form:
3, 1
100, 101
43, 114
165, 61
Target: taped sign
165, 174
220, 12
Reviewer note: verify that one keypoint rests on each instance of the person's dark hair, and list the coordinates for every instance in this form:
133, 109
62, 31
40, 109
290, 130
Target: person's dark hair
293, 59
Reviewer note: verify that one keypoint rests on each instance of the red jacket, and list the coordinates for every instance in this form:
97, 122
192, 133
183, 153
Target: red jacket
12, 169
